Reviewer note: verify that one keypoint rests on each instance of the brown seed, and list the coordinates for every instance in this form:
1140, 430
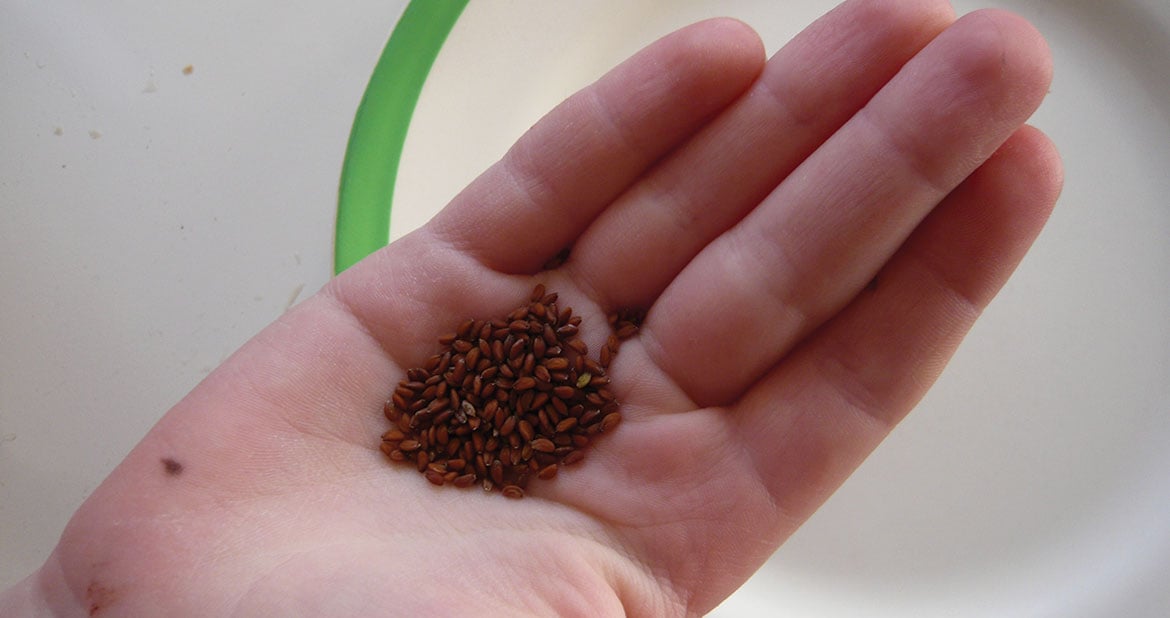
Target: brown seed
547, 472
472, 357
465, 480
611, 421
557, 364
517, 349
391, 411
408, 446
537, 293
443, 416
593, 367
508, 427
573, 457
566, 424
512, 491
564, 392
605, 357
434, 477
526, 430
387, 448
543, 445
579, 347
524, 384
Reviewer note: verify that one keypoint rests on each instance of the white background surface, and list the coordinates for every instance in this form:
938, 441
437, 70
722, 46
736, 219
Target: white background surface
1033, 481
132, 264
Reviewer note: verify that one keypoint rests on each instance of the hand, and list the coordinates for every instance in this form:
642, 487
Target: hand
811, 237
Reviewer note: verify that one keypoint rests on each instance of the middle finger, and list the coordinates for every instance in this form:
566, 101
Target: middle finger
807, 91
755, 291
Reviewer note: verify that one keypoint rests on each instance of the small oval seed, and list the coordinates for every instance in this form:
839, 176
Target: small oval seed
566, 424
508, 427
611, 421
526, 430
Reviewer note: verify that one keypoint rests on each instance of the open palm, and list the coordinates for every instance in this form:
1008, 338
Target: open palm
810, 237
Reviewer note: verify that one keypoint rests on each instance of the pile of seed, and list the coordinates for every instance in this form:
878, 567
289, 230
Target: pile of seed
507, 399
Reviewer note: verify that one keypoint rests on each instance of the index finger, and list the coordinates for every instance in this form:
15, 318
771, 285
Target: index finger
573, 163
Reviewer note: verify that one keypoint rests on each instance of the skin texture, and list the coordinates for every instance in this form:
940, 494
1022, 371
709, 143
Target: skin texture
812, 235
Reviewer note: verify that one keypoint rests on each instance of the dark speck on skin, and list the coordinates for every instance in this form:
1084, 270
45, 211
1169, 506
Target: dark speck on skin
99, 597
172, 467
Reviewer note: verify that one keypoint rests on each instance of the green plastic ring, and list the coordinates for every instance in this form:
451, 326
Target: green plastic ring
366, 192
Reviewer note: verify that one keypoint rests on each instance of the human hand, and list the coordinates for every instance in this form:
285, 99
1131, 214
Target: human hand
811, 239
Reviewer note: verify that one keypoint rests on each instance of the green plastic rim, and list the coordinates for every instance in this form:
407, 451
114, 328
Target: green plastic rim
366, 192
